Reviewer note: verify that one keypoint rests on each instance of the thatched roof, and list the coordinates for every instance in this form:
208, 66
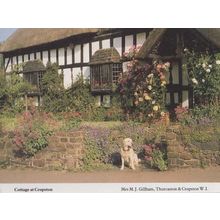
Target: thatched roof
27, 37
153, 37
109, 55
210, 34
33, 66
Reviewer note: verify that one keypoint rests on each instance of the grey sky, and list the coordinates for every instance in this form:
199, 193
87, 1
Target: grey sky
5, 33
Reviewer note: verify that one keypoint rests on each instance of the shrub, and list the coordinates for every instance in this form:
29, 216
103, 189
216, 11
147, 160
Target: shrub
203, 70
53, 90
106, 142
142, 88
71, 120
80, 97
93, 157
31, 136
155, 157
12, 91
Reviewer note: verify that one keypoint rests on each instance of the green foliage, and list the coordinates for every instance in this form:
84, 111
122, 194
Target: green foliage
4, 163
53, 90
204, 136
203, 70
79, 96
142, 88
37, 141
155, 156
31, 135
13, 90
158, 160
72, 123
93, 157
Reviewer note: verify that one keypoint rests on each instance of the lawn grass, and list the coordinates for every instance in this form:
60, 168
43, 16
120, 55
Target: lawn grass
102, 124
8, 123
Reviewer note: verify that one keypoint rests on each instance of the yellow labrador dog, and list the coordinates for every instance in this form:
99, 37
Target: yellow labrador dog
128, 155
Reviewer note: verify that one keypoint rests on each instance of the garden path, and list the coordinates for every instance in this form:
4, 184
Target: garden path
211, 174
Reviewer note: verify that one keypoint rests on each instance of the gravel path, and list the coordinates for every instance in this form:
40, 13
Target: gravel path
211, 174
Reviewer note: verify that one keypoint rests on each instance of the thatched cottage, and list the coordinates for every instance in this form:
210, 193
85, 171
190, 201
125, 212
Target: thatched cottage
96, 54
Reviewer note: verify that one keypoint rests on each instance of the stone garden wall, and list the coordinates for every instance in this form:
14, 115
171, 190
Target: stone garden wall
65, 151
180, 156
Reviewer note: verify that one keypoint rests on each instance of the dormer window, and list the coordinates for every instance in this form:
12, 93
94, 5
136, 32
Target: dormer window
105, 70
33, 73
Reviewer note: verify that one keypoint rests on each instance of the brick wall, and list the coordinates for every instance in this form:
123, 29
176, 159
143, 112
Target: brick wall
65, 151
188, 156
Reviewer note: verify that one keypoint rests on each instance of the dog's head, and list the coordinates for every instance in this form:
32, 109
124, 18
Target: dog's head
127, 144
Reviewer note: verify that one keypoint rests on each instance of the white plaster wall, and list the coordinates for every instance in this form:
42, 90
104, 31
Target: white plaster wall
53, 56
95, 47
61, 56
14, 60
167, 76
32, 56
6, 61
86, 53
128, 42
175, 72
185, 79
76, 73
185, 97
125, 66
117, 44
67, 78
167, 98
77, 53
19, 59
106, 44
60, 71
45, 57
38, 56
86, 72
25, 57
9, 65
141, 37
69, 56
176, 98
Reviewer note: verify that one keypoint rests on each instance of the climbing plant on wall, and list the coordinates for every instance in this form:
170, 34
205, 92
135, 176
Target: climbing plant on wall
142, 87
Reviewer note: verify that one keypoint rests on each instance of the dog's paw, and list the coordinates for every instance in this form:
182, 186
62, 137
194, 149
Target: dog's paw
122, 168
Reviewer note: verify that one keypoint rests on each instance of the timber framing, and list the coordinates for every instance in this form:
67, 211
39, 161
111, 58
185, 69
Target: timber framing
73, 54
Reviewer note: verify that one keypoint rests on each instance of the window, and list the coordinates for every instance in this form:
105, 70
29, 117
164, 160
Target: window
104, 75
34, 78
116, 70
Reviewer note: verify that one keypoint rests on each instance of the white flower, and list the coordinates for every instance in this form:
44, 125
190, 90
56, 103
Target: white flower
156, 108
140, 99
218, 62
194, 80
153, 102
162, 114
210, 66
167, 65
149, 87
185, 50
150, 75
203, 65
208, 70
203, 80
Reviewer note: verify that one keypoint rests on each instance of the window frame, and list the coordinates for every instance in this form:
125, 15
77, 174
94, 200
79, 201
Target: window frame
104, 76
